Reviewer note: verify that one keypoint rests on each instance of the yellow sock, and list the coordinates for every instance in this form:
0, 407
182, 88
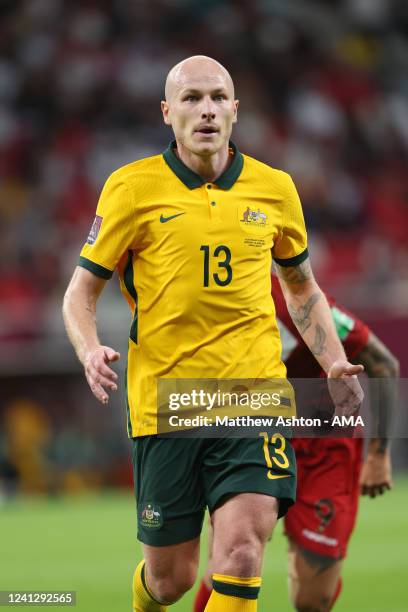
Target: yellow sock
232, 594
143, 601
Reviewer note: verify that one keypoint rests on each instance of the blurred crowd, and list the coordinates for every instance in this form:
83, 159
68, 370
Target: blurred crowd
324, 95
53, 440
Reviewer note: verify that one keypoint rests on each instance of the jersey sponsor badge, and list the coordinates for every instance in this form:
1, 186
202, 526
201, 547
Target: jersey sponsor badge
96, 226
151, 516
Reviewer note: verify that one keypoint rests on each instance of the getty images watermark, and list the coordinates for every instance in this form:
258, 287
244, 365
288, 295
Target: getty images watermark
244, 407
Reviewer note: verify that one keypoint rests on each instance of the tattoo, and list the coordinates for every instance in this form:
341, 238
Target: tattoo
318, 347
295, 274
383, 370
301, 316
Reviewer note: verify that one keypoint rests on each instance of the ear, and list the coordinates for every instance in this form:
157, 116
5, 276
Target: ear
166, 112
235, 118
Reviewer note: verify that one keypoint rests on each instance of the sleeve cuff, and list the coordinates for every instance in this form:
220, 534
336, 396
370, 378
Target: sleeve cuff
95, 268
292, 261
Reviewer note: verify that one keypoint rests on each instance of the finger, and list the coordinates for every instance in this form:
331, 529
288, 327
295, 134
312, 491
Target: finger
382, 487
97, 378
344, 369
99, 392
339, 411
352, 409
353, 370
378, 490
101, 368
111, 355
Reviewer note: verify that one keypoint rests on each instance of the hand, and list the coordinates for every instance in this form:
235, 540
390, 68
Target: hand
345, 390
98, 374
376, 474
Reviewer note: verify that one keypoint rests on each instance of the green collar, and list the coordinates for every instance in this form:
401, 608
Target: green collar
193, 180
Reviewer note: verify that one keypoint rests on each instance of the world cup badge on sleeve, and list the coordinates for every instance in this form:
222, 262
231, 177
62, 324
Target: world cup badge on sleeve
96, 226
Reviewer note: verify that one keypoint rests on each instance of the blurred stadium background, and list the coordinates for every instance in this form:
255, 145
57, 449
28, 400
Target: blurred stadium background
324, 95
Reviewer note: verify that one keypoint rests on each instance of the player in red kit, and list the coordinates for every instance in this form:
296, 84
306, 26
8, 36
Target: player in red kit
331, 471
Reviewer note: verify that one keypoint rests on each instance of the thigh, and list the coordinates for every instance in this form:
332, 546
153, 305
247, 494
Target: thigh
169, 490
265, 465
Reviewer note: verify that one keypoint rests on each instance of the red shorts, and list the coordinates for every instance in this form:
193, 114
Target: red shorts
328, 473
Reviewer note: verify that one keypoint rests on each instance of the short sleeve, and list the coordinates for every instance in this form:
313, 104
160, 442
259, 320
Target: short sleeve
290, 248
112, 231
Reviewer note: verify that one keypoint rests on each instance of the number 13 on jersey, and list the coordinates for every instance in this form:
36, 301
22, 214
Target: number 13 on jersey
222, 257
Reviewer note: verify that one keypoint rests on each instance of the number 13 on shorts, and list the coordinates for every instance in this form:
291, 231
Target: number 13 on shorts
279, 458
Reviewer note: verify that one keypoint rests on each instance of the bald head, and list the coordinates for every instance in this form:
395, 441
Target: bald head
196, 68
200, 106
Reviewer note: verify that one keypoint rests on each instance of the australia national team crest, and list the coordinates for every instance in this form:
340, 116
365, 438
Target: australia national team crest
252, 219
151, 516
96, 226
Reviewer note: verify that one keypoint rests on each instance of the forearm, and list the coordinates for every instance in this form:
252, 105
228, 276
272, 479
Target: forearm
80, 323
383, 370
383, 407
79, 312
310, 312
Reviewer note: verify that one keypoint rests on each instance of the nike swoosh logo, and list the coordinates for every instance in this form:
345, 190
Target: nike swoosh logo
165, 219
277, 476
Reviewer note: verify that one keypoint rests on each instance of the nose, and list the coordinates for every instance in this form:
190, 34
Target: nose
207, 111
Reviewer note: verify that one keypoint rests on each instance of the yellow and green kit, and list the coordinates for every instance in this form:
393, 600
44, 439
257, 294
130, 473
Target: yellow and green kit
194, 263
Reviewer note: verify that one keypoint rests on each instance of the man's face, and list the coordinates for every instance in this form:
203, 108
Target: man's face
201, 110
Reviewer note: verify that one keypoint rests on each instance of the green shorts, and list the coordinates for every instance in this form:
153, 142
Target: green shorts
177, 478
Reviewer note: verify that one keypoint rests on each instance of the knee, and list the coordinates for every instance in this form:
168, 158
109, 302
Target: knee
244, 558
169, 588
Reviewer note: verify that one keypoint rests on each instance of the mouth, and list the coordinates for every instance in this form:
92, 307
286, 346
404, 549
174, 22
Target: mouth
207, 130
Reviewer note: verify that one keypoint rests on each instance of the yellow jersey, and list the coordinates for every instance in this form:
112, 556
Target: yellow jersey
194, 262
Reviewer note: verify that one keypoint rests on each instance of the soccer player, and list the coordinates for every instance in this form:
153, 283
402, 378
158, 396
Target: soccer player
331, 472
192, 233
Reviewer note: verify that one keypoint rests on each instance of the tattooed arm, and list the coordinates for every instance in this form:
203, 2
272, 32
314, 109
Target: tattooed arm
381, 365
310, 312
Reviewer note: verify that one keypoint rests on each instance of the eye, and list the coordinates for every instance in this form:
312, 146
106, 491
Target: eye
220, 97
191, 98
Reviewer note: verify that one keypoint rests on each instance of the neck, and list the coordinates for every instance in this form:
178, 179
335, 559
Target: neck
209, 167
